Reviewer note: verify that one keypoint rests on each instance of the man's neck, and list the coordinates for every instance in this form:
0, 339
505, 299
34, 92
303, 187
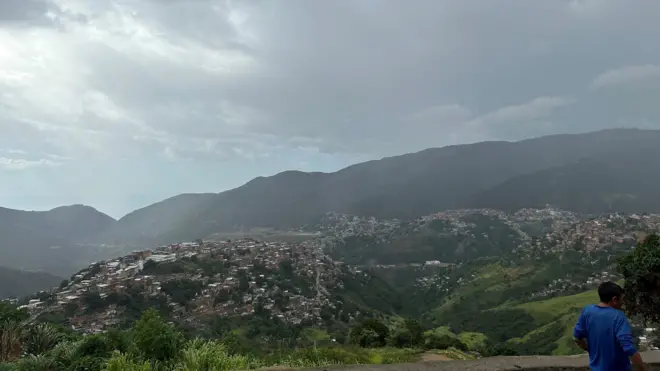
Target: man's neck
604, 305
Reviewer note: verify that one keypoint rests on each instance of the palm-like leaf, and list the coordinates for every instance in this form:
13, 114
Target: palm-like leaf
11, 341
37, 363
41, 338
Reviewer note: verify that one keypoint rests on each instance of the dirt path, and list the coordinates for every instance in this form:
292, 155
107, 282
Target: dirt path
433, 357
570, 363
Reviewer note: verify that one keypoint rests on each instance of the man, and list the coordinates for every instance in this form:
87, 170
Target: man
604, 332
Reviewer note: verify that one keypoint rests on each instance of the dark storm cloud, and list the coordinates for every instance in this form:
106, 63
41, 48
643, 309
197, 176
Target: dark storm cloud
228, 78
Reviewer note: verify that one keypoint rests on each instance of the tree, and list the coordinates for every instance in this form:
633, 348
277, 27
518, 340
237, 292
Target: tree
416, 331
70, 308
286, 268
369, 333
641, 271
32, 362
93, 301
182, 290
222, 297
243, 282
156, 339
435, 340
9, 312
41, 338
64, 284
11, 340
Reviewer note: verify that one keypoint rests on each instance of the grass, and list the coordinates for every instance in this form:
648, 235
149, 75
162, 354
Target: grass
547, 314
565, 344
453, 353
489, 278
563, 310
545, 311
315, 334
474, 340
441, 331
212, 356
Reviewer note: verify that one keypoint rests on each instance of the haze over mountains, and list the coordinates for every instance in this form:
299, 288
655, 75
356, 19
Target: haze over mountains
610, 170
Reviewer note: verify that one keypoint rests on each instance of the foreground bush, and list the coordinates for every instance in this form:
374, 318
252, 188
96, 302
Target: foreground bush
152, 344
209, 355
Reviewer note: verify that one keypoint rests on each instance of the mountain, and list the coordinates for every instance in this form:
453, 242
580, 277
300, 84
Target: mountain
17, 283
513, 279
624, 183
49, 239
609, 170
159, 219
266, 289
550, 170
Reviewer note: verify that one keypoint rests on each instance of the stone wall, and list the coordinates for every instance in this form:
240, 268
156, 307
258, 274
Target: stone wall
531, 363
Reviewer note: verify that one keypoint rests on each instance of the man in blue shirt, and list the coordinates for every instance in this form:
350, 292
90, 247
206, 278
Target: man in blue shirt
604, 332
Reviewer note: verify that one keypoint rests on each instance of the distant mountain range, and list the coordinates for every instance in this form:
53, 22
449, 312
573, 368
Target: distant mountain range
17, 283
610, 170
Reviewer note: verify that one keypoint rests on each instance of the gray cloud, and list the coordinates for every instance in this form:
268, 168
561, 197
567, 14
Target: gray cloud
628, 75
154, 83
22, 10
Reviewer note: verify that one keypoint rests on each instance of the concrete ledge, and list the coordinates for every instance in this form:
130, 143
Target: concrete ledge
528, 363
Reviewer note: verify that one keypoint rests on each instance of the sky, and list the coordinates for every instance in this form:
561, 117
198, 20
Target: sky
117, 104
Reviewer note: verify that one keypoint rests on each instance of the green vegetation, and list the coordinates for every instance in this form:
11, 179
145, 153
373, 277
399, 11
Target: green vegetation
485, 236
642, 283
17, 283
493, 312
154, 344
507, 305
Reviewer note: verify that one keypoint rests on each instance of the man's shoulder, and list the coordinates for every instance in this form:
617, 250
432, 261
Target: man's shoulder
588, 308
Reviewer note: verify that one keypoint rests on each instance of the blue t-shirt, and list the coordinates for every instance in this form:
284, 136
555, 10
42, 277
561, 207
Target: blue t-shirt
609, 338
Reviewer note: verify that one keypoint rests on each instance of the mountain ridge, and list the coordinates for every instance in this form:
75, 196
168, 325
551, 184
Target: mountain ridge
17, 283
496, 174
404, 186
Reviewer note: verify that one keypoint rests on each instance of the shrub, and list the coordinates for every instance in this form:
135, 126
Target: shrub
121, 362
207, 355
642, 283
155, 339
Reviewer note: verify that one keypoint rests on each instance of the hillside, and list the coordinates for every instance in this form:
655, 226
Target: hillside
504, 279
263, 290
610, 170
54, 240
624, 183
456, 236
156, 220
488, 174
523, 287
16, 283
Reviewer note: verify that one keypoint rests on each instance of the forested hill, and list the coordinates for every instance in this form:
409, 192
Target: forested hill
605, 171
489, 174
16, 283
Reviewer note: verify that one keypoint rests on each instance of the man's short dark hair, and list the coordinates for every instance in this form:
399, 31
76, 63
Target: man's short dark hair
608, 291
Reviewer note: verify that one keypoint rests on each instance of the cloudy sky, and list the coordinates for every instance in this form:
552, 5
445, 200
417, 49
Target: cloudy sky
120, 103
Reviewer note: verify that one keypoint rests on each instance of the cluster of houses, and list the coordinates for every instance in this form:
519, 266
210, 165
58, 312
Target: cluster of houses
249, 273
596, 233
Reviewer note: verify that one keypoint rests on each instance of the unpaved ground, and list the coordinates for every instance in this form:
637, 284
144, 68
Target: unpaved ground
433, 357
532, 363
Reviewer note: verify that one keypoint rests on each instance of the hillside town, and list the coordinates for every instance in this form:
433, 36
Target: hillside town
555, 229
192, 280
231, 278
535, 233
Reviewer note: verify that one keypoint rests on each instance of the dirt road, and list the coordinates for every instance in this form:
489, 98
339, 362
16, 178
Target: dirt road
532, 363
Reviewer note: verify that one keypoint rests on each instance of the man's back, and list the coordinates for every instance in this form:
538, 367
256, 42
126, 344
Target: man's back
609, 338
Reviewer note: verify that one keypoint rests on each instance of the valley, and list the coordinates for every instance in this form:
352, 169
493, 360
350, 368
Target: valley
356, 266
587, 174
464, 275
